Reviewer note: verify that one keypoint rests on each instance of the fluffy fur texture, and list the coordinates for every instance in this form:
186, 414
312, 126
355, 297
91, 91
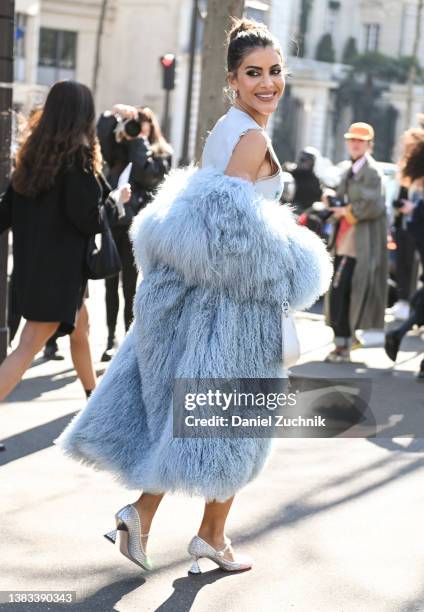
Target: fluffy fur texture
217, 261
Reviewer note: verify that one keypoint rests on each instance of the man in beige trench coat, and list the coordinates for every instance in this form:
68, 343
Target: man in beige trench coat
358, 293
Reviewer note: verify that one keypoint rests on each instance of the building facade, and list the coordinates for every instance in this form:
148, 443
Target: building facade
318, 112
57, 39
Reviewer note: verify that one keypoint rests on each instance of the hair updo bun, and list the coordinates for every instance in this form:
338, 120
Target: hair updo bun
243, 25
244, 36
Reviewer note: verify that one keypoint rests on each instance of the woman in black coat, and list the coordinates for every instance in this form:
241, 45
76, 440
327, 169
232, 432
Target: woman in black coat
55, 202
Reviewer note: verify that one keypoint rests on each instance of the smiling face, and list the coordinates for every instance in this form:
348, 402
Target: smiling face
260, 82
357, 148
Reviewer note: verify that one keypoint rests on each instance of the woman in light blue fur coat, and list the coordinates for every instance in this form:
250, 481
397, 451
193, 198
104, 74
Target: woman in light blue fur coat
218, 255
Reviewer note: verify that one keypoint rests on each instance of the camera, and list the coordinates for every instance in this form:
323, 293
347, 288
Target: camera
321, 211
334, 202
127, 127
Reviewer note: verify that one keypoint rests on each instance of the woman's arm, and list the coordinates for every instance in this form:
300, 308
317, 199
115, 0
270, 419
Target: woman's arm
105, 133
148, 170
6, 209
84, 200
248, 156
87, 197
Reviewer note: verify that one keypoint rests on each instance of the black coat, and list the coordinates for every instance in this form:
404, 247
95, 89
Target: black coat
50, 238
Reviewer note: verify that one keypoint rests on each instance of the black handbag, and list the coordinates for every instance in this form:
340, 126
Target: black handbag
103, 261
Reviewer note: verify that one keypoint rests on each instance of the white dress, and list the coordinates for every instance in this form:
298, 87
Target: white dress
220, 144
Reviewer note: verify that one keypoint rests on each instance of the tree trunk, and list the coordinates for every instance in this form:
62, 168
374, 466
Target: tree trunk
7, 11
212, 103
99, 35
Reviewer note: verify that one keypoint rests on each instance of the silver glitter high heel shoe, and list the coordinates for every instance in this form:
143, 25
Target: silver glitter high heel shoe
199, 548
128, 536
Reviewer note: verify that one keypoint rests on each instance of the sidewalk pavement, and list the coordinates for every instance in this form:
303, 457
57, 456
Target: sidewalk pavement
334, 525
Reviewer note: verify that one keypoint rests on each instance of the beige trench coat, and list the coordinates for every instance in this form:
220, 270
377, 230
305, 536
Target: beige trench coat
367, 210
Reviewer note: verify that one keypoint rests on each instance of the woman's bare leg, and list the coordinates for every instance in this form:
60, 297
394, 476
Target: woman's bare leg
81, 352
212, 528
146, 505
33, 337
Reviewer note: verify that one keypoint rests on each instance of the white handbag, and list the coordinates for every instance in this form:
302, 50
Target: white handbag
289, 338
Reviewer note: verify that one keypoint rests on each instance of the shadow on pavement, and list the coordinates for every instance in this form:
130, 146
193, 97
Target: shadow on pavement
394, 418
103, 600
31, 388
33, 440
304, 507
187, 588
106, 598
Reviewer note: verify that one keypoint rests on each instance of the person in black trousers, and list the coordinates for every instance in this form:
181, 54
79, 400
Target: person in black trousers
412, 173
129, 134
56, 200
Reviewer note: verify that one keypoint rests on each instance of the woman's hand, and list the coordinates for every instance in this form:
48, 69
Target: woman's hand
328, 193
122, 195
338, 212
407, 207
125, 111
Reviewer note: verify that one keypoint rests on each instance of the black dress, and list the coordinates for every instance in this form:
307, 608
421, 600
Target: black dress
50, 238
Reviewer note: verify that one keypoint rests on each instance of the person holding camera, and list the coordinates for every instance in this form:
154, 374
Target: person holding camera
357, 296
130, 135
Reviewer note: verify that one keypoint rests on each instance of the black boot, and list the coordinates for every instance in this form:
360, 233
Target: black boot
392, 344
420, 375
2, 446
394, 337
51, 350
108, 354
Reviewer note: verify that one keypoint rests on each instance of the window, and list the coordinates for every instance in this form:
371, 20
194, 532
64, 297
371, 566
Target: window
57, 55
371, 37
57, 48
334, 5
331, 16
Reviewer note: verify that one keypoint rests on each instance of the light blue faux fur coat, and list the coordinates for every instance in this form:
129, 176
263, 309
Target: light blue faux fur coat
217, 261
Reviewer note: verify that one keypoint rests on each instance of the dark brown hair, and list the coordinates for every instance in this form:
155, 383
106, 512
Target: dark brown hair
159, 144
61, 134
412, 161
244, 36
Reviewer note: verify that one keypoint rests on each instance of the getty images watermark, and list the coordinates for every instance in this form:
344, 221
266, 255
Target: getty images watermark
236, 400
269, 407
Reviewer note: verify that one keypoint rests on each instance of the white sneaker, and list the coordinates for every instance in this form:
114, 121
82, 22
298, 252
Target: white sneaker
399, 311
370, 338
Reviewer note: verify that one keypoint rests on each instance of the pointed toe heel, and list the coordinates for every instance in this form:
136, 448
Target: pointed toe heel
198, 548
128, 536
